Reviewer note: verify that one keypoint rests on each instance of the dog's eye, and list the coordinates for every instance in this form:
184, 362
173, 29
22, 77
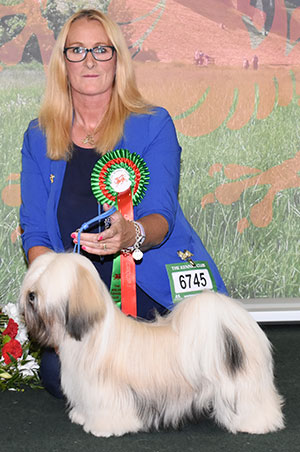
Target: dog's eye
31, 297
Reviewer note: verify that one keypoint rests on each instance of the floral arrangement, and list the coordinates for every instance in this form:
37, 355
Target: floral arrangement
19, 357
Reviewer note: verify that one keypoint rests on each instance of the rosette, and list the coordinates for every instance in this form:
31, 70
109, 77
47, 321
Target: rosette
115, 172
120, 179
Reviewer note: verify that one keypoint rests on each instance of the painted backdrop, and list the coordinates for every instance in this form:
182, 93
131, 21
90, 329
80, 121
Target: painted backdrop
228, 71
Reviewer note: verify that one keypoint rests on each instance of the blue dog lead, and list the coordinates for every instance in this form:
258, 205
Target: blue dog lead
89, 223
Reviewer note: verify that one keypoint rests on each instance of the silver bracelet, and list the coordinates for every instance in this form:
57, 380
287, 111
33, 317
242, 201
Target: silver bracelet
140, 236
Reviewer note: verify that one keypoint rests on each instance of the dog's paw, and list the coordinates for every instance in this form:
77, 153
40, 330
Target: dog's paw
98, 433
103, 427
98, 430
256, 428
260, 422
76, 417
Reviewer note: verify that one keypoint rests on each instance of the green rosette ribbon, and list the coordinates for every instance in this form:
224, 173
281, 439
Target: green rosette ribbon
122, 167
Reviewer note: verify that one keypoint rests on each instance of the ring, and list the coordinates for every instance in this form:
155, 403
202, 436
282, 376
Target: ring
104, 246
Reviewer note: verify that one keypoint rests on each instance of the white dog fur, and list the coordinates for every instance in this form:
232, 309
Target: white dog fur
121, 375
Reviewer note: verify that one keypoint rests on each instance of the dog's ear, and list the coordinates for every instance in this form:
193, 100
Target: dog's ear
85, 306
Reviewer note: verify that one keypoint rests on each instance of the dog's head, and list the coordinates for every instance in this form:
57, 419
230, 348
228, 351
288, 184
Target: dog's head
62, 293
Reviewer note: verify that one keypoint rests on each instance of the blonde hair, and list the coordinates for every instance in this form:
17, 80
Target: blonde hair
56, 112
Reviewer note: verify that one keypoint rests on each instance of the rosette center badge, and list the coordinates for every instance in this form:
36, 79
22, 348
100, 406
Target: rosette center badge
120, 180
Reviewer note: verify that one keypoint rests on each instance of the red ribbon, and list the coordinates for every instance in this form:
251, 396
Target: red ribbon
128, 281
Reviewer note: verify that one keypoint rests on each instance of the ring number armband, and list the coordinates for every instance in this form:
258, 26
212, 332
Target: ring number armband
140, 236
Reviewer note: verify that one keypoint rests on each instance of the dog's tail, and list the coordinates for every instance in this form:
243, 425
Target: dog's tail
217, 334
228, 358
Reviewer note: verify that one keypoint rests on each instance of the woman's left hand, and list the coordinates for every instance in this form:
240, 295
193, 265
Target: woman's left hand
121, 234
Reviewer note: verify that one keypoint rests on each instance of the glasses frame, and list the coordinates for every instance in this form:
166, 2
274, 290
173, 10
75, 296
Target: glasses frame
87, 51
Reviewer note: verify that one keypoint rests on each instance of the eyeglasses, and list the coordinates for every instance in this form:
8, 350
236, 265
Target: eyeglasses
100, 53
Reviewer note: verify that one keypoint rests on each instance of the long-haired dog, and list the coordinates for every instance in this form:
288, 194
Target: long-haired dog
122, 375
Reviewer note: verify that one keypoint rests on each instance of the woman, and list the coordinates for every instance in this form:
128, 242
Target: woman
92, 106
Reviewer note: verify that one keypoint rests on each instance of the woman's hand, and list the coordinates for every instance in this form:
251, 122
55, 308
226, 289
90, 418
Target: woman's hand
121, 234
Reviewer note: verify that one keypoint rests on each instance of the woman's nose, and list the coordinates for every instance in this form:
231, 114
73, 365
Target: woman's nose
90, 60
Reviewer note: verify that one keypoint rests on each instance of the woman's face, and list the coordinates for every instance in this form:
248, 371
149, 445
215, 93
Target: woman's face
90, 77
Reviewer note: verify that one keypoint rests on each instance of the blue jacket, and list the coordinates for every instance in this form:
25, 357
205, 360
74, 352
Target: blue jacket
153, 137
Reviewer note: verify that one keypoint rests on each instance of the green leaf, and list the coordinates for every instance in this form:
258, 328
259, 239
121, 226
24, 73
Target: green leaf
6, 339
5, 375
12, 358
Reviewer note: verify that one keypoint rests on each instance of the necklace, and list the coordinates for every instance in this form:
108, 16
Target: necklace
90, 136
89, 139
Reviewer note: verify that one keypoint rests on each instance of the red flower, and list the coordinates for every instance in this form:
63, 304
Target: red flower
11, 329
14, 348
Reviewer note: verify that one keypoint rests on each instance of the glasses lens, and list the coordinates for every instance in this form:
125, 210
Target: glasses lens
102, 53
75, 53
